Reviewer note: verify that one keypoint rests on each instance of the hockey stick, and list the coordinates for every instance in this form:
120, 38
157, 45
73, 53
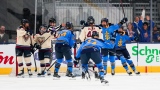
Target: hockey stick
45, 71
123, 10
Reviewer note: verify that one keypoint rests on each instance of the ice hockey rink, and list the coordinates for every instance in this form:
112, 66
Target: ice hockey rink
117, 82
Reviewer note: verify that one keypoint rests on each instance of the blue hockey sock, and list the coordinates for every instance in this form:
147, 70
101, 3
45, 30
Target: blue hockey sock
123, 61
130, 62
101, 71
58, 64
105, 59
84, 67
70, 65
112, 60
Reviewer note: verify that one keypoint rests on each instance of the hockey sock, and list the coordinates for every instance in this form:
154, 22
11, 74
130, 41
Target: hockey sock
131, 64
112, 60
70, 65
123, 61
28, 62
47, 62
20, 63
105, 59
101, 71
42, 65
84, 67
58, 64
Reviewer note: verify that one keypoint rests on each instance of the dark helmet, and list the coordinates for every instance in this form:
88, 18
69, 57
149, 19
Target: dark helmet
52, 20
24, 21
69, 25
90, 20
43, 26
104, 20
94, 33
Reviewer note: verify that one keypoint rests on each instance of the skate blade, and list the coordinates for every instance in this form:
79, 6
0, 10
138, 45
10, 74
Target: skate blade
55, 78
20, 77
72, 78
105, 84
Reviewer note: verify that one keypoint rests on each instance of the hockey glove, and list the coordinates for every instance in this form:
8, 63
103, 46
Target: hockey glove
124, 20
37, 46
32, 49
136, 38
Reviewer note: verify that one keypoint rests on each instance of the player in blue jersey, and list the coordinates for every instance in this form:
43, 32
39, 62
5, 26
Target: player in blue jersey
90, 49
122, 52
109, 36
64, 43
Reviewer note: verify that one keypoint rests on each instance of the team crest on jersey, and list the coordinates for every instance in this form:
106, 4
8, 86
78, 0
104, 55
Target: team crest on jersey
26, 37
40, 40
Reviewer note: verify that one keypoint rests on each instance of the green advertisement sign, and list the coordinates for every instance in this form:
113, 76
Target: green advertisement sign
148, 51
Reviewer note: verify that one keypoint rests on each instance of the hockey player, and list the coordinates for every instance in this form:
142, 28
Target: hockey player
43, 39
64, 43
24, 42
122, 52
109, 36
90, 48
52, 25
87, 31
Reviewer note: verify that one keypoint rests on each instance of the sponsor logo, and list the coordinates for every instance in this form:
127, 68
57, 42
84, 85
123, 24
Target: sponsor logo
151, 54
6, 59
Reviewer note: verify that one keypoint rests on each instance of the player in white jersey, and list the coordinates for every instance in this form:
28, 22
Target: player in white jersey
44, 40
88, 29
23, 47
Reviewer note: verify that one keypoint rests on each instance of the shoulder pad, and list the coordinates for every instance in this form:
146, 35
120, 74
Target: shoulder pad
98, 26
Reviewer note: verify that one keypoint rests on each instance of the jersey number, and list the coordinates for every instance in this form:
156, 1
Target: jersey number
63, 34
90, 33
92, 42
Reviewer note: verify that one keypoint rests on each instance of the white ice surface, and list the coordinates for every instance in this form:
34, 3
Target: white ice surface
117, 82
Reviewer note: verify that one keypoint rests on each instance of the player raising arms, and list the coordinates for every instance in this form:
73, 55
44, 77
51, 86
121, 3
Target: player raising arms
87, 31
109, 33
90, 49
122, 52
24, 42
65, 41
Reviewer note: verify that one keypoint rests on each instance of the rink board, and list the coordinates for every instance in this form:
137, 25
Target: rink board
145, 57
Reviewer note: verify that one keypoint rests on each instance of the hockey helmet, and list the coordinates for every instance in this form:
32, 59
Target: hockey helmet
90, 20
69, 25
43, 28
24, 21
52, 20
94, 33
104, 20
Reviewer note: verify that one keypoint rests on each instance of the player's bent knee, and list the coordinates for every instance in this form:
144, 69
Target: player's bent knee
20, 64
42, 65
99, 66
59, 60
28, 64
105, 58
112, 58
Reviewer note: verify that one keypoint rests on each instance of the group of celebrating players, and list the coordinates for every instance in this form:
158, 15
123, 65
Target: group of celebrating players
97, 42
